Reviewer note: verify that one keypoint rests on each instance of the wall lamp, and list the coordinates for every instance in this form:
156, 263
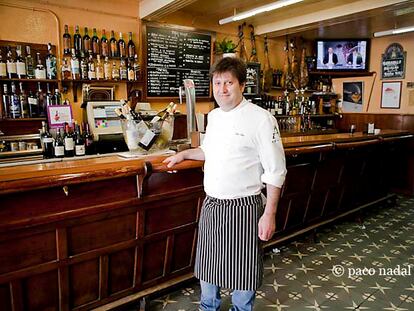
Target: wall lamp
393, 31
261, 9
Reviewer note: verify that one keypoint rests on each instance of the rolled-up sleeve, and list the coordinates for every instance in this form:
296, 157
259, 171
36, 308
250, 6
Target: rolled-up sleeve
271, 153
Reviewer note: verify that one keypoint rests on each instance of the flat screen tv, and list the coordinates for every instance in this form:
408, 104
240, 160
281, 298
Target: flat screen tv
342, 55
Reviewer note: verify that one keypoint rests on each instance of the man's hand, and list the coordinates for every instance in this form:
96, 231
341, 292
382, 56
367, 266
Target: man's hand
173, 160
267, 226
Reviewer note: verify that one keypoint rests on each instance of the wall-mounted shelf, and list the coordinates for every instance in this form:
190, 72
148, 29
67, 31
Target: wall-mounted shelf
29, 80
341, 73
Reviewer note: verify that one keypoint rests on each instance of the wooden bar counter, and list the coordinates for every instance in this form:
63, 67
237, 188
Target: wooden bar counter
80, 234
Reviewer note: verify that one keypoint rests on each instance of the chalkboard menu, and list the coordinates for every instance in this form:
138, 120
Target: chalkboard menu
174, 55
393, 62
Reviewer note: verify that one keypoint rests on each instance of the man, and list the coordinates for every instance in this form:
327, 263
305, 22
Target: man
354, 58
330, 58
242, 149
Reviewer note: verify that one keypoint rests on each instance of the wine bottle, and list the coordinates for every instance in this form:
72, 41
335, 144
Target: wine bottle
20, 63
121, 46
40, 71
77, 42
59, 145
123, 70
3, 67
24, 104
75, 66
66, 41
88, 139
96, 49
6, 102
57, 97
86, 42
91, 67
136, 67
11, 64
66, 72
107, 69
104, 44
84, 67
46, 141
41, 100
99, 68
33, 105
113, 45
115, 71
30, 70
131, 47
69, 142
130, 70
79, 142
51, 64
15, 109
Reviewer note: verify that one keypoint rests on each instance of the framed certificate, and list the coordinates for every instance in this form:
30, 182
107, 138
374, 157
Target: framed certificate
59, 115
391, 94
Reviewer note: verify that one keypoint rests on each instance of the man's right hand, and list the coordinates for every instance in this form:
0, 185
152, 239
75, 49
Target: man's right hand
173, 160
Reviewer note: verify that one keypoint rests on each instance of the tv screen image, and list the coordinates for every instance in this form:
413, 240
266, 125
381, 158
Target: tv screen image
346, 55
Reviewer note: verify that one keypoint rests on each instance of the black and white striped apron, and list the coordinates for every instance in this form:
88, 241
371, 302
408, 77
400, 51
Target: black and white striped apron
229, 252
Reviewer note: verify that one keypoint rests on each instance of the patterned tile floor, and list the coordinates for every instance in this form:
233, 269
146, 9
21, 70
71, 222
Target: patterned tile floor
352, 267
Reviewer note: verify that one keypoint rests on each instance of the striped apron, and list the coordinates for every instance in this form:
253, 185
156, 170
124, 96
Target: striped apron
229, 252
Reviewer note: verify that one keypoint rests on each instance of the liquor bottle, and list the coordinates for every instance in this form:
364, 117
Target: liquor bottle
88, 139
79, 142
24, 104
11, 64
96, 49
83, 67
42, 100
104, 44
30, 70
57, 98
121, 46
136, 67
99, 68
115, 71
33, 105
87, 46
20, 63
107, 69
51, 65
46, 140
131, 47
75, 66
130, 70
59, 145
91, 67
14, 108
3, 67
6, 102
66, 41
49, 96
123, 75
66, 72
77, 42
113, 45
69, 142
40, 71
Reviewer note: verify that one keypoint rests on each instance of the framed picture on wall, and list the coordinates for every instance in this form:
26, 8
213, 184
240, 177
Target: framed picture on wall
353, 95
391, 94
59, 115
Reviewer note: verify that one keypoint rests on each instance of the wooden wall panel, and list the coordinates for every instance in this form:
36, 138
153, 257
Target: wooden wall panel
181, 254
153, 259
121, 270
84, 282
41, 292
5, 297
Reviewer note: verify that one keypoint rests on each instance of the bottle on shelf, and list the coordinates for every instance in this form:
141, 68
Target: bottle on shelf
131, 47
91, 67
115, 71
46, 141
11, 64
3, 67
14, 108
113, 45
130, 70
75, 66
96, 48
49, 96
123, 75
57, 98
68, 141
136, 67
104, 44
79, 142
24, 104
20, 63
41, 100
40, 71
66, 41
88, 139
59, 146
30, 69
51, 64
33, 104
65, 70
77, 42
84, 67
87, 46
99, 68
6, 98
107, 69
121, 46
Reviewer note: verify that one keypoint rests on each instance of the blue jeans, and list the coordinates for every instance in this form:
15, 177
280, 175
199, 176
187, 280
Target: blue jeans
242, 300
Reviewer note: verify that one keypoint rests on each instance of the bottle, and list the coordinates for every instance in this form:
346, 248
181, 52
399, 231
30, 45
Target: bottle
83, 67
49, 96
41, 100
122, 70
74, 64
77, 42
88, 139
24, 104
87, 46
69, 142
115, 71
66, 72
91, 67
51, 69
20, 63
46, 140
3, 67
130, 70
66, 41
121, 46
6, 102
131, 47
113, 45
11, 64
59, 145
14, 108
79, 142
107, 69
96, 49
30, 71
131, 133
57, 98
99, 68
136, 67
33, 105
104, 44
40, 71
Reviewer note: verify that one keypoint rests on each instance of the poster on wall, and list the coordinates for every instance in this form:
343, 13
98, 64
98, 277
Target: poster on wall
353, 93
391, 94
393, 62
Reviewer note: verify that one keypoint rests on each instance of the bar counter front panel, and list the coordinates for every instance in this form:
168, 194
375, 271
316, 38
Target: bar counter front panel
77, 235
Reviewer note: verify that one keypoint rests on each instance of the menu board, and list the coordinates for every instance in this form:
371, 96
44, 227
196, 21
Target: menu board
174, 55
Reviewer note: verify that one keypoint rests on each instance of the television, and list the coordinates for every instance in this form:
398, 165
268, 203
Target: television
342, 55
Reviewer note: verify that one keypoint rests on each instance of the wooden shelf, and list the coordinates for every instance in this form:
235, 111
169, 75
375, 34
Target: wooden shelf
341, 73
101, 81
311, 115
23, 119
29, 80
291, 89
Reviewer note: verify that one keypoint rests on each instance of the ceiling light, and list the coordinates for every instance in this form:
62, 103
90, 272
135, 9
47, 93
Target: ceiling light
393, 31
265, 8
